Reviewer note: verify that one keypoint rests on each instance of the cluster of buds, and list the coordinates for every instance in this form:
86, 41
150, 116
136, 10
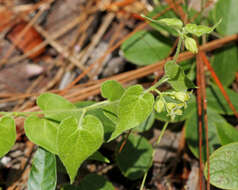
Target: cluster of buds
174, 107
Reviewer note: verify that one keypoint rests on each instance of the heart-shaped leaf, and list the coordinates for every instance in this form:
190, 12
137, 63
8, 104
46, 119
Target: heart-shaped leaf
43, 171
134, 108
224, 167
146, 47
77, 140
7, 134
42, 132
135, 158
56, 107
112, 90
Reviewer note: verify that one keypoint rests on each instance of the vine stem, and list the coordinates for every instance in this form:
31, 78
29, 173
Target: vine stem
178, 48
157, 143
84, 109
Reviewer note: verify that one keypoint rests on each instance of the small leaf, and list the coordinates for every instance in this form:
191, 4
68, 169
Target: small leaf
42, 132
157, 25
146, 47
177, 78
172, 22
43, 171
134, 107
224, 167
7, 134
135, 158
190, 44
227, 133
77, 141
99, 157
197, 30
58, 107
112, 90
147, 124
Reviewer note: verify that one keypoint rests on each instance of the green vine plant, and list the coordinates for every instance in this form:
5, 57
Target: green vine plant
75, 132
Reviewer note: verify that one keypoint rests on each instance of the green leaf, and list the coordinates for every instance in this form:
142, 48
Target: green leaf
217, 102
172, 22
225, 63
108, 124
197, 30
135, 158
192, 136
7, 134
190, 44
224, 167
227, 11
146, 47
91, 182
42, 132
77, 141
99, 157
43, 171
147, 124
159, 26
227, 133
58, 108
99, 183
134, 107
177, 78
112, 90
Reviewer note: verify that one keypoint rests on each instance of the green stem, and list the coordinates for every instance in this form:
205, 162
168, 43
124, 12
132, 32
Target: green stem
91, 107
178, 48
157, 84
157, 143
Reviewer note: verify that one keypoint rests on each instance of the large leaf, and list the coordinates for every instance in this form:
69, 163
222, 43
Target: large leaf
77, 141
99, 157
217, 102
224, 167
225, 63
134, 107
42, 132
147, 124
108, 124
192, 135
146, 47
43, 171
99, 183
56, 107
227, 133
112, 90
227, 11
7, 134
135, 158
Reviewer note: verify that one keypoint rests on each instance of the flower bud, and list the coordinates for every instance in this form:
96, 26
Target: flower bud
191, 45
182, 96
171, 106
159, 105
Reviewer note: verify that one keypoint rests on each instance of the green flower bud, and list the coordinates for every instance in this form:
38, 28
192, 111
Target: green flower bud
159, 105
171, 106
178, 112
190, 44
182, 96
